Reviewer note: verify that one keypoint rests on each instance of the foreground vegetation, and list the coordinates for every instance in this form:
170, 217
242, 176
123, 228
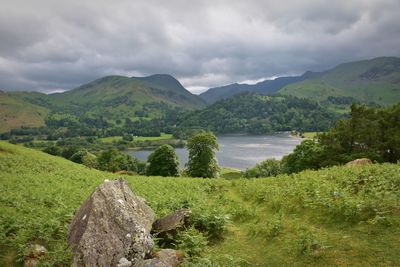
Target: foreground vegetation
337, 216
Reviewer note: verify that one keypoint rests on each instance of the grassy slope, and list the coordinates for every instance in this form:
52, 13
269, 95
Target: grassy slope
376, 80
119, 96
14, 112
338, 216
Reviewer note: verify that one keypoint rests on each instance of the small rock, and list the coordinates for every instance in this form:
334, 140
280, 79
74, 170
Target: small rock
171, 222
35, 252
123, 262
165, 258
359, 162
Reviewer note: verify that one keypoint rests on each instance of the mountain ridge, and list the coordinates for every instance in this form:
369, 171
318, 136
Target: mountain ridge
364, 80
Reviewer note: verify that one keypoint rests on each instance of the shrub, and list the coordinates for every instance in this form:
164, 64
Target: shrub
211, 222
53, 150
78, 156
308, 244
192, 242
266, 168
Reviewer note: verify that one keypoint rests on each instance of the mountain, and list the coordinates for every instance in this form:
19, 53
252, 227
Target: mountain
122, 97
376, 80
267, 87
112, 91
111, 97
16, 111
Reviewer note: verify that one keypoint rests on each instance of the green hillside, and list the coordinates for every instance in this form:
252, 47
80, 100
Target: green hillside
259, 114
115, 95
376, 80
15, 111
111, 97
334, 217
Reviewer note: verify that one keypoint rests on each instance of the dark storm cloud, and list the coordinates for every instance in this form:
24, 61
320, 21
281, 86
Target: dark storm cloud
52, 45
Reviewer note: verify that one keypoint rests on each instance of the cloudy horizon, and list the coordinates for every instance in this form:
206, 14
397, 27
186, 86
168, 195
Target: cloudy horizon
58, 45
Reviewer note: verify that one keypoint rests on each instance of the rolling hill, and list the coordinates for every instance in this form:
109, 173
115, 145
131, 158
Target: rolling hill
337, 216
110, 97
114, 95
376, 80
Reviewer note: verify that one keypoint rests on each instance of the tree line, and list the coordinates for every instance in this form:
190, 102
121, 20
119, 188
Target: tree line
370, 132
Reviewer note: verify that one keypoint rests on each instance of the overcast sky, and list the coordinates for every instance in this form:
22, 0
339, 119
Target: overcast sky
57, 45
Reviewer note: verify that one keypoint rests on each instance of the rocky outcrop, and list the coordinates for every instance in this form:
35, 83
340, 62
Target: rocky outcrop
172, 221
112, 228
359, 162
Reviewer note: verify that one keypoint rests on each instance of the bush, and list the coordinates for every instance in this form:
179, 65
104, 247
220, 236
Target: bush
308, 244
192, 242
307, 155
212, 223
89, 160
78, 156
266, 168
53, 150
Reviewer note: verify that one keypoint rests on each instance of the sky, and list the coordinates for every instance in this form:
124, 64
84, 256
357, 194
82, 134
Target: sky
48, 45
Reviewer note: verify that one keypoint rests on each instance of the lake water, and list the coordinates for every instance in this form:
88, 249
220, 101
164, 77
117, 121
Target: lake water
241, 151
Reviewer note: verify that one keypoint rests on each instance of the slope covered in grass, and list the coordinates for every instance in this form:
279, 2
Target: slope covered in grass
120, 95
337, 216
15, 111
376, 80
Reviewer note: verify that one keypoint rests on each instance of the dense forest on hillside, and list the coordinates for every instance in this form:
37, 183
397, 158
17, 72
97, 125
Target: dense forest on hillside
258, 114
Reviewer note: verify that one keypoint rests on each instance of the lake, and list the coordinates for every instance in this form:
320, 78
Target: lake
241, 151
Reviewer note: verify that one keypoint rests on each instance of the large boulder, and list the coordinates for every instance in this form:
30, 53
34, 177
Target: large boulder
111, 225
359, 162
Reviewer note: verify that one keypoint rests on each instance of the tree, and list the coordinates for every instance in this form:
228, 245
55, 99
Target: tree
163, 161
307, 155
112, 160
202, 160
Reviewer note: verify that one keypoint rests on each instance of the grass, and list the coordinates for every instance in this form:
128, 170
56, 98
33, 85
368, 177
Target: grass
310, 135
333, 217
111, 139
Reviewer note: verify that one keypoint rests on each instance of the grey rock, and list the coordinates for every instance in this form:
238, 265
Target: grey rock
165, 258
123, 262
113, 223
359, 162
171, 222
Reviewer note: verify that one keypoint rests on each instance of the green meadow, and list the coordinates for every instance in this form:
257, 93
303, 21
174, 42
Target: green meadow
338, 216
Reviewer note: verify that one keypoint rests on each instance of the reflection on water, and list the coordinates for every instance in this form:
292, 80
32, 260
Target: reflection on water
241, 151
